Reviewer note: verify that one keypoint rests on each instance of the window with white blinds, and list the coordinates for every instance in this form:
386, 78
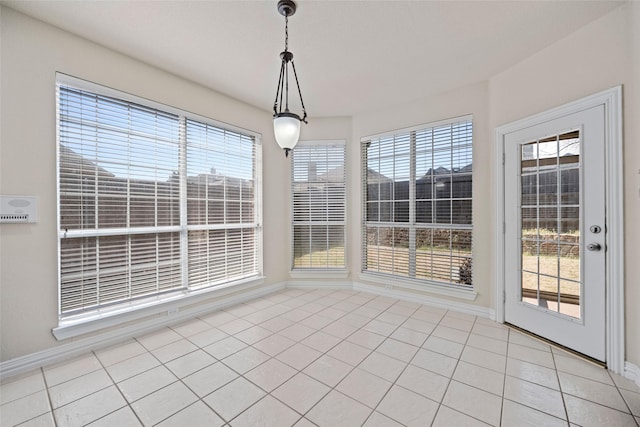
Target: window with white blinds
417, 202
318, 204
151, 200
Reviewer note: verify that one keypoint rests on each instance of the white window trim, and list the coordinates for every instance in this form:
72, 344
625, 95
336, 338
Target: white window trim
168, 303
390, 280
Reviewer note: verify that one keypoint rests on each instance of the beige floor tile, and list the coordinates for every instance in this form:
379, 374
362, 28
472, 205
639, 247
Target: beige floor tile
397, 349
435, 362
366, 339
426, 383
268, 412
383, 366
77, 388
174, 350
633, 401
159, 338
592, 390
378, 420
191, 327
209, 379
447, 417
536, 396
163, 403
146, 383
349, 353
483, 358
90, 408
208, 337
488, 344
576, 366
364, 387
531, 355
229, 401
479, 377
533, 373
235, 326
225, 347
514, 414
196, 415
328, 370
132, 367
274, 344
380, 328
44, 420
457, 323
321, 341
409, 336
499, 333
301, 392
120, 352
337, 410
299, 356
297, 332
443, 346
339, 329
190, 363
451, 334
407, 407
270, 375
590, 414
74, 368
246, 359
474, 402
20, 386
123, 417
24, 408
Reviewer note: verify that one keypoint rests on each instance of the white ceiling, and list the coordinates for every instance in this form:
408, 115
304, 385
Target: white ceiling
351, 56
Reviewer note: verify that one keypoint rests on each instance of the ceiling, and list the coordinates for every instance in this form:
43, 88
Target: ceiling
351, 56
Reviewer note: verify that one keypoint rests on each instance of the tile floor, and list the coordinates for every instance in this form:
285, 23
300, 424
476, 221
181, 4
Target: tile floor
325, 358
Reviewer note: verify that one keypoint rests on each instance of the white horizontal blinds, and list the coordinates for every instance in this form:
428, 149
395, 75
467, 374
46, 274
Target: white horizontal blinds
318, 205
221, 205
418, 196
118, 200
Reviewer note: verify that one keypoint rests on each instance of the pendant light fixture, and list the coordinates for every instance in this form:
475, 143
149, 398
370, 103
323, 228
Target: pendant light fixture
286, 125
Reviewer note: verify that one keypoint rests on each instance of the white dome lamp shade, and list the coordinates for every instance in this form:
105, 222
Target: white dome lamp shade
286, 125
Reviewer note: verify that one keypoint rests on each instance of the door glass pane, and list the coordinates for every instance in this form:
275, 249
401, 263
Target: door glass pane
550, 223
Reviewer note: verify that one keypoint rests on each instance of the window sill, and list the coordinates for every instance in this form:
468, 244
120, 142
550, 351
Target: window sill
431, 287
167, 305
317, 273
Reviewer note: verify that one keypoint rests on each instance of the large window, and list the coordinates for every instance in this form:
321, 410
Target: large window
152, 200
318, 203
417, 202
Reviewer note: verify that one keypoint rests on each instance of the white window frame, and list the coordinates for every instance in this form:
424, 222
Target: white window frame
388, 279
110, 315
323, 271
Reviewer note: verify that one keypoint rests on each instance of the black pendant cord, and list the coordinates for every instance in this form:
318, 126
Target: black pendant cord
304, 111
282, 92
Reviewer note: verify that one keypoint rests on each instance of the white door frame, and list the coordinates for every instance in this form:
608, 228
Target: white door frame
614, 238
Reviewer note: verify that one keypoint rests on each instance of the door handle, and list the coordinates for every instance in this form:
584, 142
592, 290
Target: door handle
594, 247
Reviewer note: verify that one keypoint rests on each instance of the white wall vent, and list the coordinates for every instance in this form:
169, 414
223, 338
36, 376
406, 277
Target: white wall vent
17, 209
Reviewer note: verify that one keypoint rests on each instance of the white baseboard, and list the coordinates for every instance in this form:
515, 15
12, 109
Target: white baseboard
632, 372
77, 347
